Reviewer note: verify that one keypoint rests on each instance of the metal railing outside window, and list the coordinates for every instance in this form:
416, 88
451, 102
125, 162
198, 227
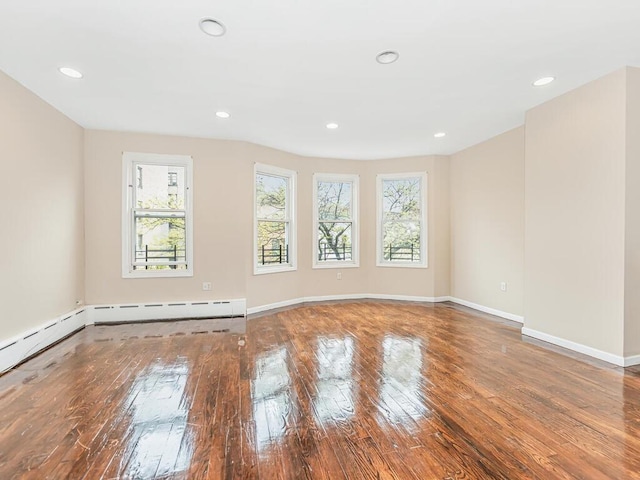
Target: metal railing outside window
273, 255
406, 253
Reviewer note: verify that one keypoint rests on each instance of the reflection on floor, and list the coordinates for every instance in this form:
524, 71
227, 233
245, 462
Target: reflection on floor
158, 410
334, 400
329, 391
271, 398
400, 393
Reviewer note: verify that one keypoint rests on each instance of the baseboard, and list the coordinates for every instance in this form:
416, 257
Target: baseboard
578, 347
407, 298
632, 360
21, 347
136, 312
272, 306
348, 296
492, 311
17, 349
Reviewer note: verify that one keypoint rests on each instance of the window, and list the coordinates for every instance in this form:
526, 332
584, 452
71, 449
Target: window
274, 226
335, 220
157, 226
402, 228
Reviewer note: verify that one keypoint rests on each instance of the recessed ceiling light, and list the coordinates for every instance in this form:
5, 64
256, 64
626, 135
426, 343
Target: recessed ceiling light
222, 114
212, 27
70, 72
439, 134
386, 57
332, 126
541, 82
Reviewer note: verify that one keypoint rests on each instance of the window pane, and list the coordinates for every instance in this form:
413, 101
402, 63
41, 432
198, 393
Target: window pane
160, 187
271, 194
334, 241
401, 199
401, 241
273, 244
159, 239
334, 200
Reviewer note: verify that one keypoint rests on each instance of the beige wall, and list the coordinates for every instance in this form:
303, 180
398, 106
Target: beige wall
487, 223
575, 215
429, 282
632, 219
42, 219
580, 174
223, 209
220, 168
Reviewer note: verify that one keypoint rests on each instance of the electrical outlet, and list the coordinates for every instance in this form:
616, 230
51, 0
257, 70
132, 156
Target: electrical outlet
503, 286
207, 286
339, 276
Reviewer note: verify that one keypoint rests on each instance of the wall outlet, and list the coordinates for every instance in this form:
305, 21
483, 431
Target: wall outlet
503, 286
339, 276
207, 286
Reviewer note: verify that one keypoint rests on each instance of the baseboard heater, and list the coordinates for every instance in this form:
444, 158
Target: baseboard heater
102, 314
28, 344
16, 350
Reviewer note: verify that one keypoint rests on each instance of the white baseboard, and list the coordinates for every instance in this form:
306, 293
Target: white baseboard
578, 347
349, 296
632, 360
272, 306
492, 311
382, 296
17, 349
136, 312
406, 298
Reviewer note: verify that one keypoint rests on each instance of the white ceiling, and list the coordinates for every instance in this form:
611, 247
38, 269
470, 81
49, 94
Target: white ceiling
285, 68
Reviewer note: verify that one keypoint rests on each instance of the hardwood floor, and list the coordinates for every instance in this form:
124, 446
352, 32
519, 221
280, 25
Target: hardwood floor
352, 390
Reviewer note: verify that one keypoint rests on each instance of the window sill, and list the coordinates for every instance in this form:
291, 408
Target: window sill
278, 269
157, 274
321, 266
401, 265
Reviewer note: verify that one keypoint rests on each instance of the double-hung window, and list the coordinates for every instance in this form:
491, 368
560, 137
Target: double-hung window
274, 220
402, 225
157, 220
335, 220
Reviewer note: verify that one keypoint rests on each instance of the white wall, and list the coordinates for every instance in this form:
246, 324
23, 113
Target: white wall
575, 215
223, 225
578, 219
487, 223
632, 218
42, 216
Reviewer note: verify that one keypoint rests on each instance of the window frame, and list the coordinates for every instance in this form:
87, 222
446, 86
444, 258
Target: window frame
424, 228
290, 217
355, 226
130, 162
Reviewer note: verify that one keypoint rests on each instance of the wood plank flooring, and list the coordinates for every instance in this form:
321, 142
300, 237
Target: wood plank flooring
358, 390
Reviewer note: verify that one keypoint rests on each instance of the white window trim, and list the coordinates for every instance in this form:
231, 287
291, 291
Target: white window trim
293, 223
424, 252
129, 159
355, 225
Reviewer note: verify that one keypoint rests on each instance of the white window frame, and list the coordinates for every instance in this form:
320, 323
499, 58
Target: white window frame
355, 232
380, 261
130, 161
290, 217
